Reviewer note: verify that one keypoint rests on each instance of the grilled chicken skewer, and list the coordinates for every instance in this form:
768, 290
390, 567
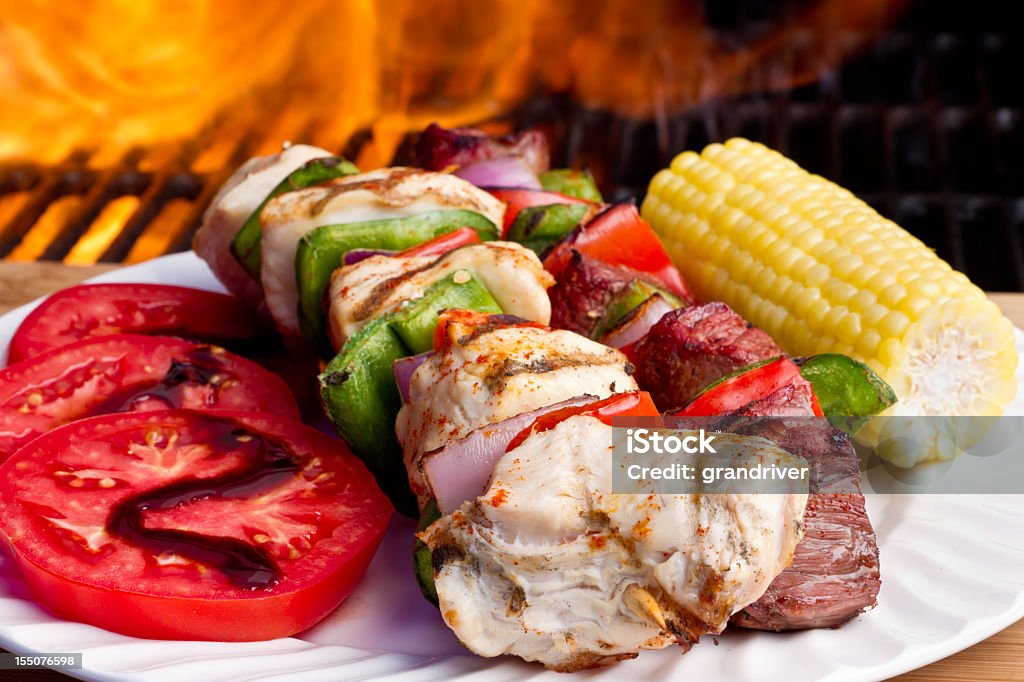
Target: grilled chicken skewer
523, 543
547, 564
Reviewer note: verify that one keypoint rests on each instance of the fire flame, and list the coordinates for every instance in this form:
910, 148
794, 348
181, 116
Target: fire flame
198, 85
117, 74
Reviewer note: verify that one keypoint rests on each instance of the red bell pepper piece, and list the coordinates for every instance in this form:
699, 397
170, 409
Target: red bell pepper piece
618, 235
518, 199
737, 391
438, 246
816, 406
632, 404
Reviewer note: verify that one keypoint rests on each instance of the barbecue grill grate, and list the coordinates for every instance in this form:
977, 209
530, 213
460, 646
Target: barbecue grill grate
926, 124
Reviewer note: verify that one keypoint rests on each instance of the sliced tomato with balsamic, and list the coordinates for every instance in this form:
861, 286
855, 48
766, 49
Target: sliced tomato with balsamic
631, 404
126, 373
619, 236
230, 526
518, 199
438, 246
91, 310
744, 387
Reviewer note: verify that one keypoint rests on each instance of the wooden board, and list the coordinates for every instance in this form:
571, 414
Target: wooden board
997, 659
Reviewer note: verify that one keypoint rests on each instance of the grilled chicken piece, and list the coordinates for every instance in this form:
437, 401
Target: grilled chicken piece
549, 566
377, 195
492, 368
232, 206
512, 274
835, 571
691, 347
583, 292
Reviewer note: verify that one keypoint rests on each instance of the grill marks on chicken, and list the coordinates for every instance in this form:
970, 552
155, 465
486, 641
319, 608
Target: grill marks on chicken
549, 565
498, 376
690, 348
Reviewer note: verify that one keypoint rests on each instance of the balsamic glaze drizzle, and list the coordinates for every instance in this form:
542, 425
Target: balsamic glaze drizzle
198, 368
268, 465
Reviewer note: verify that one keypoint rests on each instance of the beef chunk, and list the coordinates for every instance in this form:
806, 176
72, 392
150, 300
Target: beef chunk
835, 574
690, 348
583, 292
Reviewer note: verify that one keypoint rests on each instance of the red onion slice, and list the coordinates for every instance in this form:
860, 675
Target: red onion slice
355, 255
439, 148
507, 171
404, 369
636, 325
461, 470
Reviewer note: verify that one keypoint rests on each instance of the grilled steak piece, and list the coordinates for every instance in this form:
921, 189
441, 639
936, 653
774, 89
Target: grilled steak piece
835, 574
691, 347
583, 292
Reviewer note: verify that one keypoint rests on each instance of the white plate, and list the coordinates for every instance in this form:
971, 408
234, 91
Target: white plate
952, 569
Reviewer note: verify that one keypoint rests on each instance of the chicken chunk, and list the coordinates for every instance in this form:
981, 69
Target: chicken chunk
512, 274
231, 207
377, 195
550, 566
490, 371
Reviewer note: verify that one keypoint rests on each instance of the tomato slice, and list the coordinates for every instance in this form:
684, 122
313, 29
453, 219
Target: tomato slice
129, 372
518, 199
438, 246
736, 391
99, 309
619, 236
632, 404
231, 526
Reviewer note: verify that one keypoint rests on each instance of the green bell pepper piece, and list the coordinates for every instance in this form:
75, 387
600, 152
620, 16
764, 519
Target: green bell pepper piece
848, 391
246, 244
629, 299
358, 391
321, 250
422, 561
573, 183
416, 322
538, 227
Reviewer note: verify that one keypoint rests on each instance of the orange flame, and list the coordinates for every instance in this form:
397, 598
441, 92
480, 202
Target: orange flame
116, 74
201, 84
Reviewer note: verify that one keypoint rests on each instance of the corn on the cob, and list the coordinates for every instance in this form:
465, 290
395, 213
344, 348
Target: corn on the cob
821, 271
